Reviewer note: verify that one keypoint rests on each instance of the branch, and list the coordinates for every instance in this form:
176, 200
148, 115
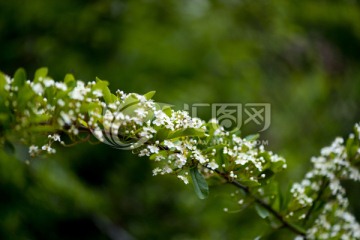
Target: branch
324, 185
261, 202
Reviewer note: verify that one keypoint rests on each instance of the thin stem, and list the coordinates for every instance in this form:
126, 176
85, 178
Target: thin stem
324, 185
261, 202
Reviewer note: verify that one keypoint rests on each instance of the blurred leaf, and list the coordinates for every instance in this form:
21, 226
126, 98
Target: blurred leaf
40, 73
167, 110
103, 86
149, 95
263, 213
69, 80
193, 132
252, 137
2, 84
200, 185
19, 77
162, 134
24, 96
82, 122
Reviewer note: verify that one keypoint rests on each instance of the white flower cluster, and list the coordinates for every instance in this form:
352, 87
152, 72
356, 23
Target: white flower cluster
35, 150
344, 227
132, 121
245, 161
329, 169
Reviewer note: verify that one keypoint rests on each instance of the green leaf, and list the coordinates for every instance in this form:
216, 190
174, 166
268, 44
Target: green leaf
69, 78
268, 174
351, 148
252, 137
43, 129
249, 183
187, 132
103, 86
107, 95
19, 77
162, 134
163, 153
40, 73
200, 185
44, 118
263, 213
2, 82
149, 95
167, 110
277, 166
82, 122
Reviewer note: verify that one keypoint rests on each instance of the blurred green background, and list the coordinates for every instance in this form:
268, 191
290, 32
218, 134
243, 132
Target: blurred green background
303, 57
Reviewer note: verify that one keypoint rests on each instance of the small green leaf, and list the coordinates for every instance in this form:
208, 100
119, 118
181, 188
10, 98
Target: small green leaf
19, 77
69, 77
44, 118
277, 166
2, 82
162, 134
249, 183
69, 80
82, 122
268, 174
263, 213
167, 110
187, 132
103, 86
200, 185
40, 73
252, 137
162, 153
40, 128
149, 95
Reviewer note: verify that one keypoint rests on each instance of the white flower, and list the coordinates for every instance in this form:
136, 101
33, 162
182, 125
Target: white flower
98, 134
160, 118
48, 148
61, 86
153, 149
140, 112
213, 165
183, 178
33, 150
98, 93
79, 91
65, 117
169, 144
156, 171
38, 89
55, 137
180, 160
61, 102
48, 82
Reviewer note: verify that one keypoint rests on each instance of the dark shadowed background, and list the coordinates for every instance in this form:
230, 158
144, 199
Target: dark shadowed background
302, 57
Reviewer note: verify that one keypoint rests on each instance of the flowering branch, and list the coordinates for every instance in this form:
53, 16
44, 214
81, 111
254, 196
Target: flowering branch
264, 204
186, 147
